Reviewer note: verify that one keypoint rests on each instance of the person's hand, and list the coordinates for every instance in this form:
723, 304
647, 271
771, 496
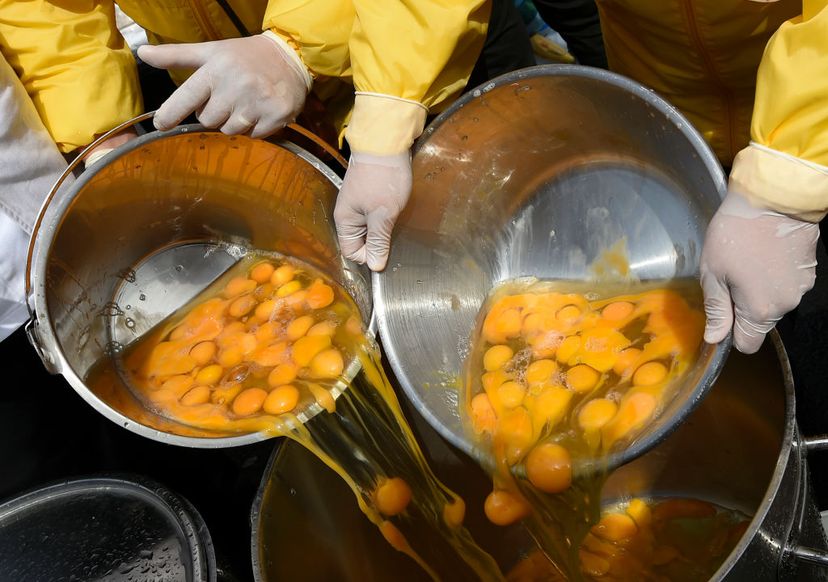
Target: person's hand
108, 145
550, 50
247, 85
755, 267
374, 192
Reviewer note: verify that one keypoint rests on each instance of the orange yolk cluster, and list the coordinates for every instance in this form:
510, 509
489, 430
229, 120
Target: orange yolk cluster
561, 375
267, 344
673, 539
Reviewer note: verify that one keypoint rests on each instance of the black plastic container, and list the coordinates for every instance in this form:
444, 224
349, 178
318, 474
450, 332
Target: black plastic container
107, 528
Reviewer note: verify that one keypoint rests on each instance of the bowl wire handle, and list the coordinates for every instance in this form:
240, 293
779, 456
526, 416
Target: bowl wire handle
324, 145
56, 186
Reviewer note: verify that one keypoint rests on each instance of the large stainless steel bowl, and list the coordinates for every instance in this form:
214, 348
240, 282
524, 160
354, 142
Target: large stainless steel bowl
149, 227
535, 174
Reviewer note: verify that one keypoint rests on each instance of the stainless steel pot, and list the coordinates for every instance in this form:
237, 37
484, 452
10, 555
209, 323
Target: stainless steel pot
151, 225
740, 449
534, 175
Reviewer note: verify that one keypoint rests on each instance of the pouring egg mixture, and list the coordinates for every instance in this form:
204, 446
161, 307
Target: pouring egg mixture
276, 346
663, 540
556, 382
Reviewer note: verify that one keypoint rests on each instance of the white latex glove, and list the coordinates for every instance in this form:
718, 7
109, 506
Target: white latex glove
247, 85
374, 192
755, 267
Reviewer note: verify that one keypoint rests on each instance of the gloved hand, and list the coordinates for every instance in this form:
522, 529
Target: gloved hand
252, 85
755, 267
374, 192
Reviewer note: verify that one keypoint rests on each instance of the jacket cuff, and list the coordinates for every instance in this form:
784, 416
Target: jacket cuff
293, 56
383, 124
781, 182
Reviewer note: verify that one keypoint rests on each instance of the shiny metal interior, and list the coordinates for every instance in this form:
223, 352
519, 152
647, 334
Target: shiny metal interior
154, 223
535, 175
732, 450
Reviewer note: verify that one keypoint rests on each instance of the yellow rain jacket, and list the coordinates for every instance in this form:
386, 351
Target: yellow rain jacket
404, 59
417, 54
76, 67
703, 55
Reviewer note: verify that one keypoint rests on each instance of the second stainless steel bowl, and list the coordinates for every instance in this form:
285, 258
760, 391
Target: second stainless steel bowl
534, 175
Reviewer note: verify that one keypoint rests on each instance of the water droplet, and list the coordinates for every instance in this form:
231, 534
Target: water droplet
142, 297
179, 268
113, 348
130, 323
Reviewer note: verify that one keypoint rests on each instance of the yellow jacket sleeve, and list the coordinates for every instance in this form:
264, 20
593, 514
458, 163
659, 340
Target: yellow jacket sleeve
420, 50
74, 65
786, 166
319, 30
404, 57
409, 57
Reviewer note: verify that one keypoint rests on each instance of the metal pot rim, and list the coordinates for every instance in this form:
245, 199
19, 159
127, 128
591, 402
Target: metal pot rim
41, 331
256, 511
789, 436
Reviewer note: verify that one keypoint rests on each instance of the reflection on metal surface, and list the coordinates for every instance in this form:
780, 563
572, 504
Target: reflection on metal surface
653, 262
162, 284
536, 177
810, 555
